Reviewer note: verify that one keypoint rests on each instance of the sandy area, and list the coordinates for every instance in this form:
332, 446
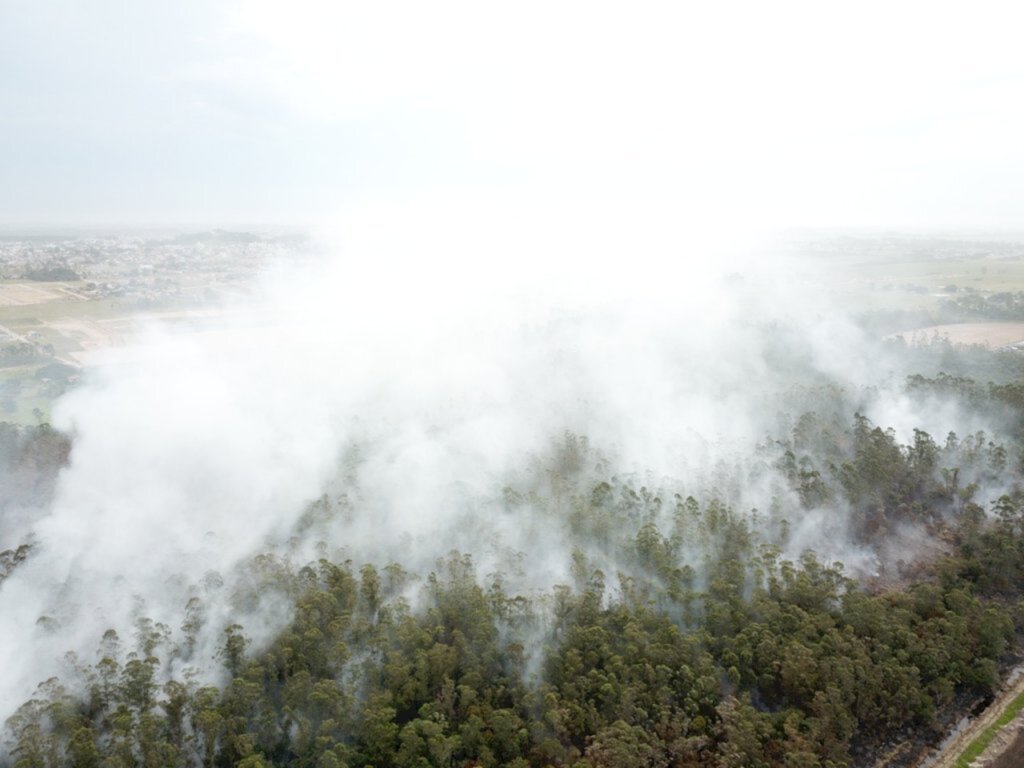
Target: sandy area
24, 294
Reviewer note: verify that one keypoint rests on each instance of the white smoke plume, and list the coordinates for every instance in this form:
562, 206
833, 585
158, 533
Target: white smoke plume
436, 354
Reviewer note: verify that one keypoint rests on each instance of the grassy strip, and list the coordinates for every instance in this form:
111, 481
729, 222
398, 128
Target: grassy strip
976, 747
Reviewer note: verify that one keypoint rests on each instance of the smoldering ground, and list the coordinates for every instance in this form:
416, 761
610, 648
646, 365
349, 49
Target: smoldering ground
413, 382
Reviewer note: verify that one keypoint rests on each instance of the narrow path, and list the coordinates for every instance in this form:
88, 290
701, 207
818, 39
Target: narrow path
76, 294
947, 756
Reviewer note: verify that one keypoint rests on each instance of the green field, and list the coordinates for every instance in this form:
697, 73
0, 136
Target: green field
860, 283
936, 274
24, 399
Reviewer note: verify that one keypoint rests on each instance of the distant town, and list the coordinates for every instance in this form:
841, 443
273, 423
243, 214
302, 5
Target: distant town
62, 298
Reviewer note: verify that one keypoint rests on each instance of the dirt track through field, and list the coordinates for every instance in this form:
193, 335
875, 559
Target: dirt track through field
947, 756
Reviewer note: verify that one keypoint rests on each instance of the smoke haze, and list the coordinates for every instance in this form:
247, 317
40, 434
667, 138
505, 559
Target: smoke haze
546, 256
430, 361
250, 111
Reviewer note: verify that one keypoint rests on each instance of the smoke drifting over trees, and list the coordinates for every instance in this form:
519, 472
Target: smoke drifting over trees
543, 452
684, 441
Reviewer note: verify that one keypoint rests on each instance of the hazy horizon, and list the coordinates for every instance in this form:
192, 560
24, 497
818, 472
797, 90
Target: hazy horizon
551, 316
791, 116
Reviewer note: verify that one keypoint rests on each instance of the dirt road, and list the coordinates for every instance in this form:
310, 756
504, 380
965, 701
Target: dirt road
947, 755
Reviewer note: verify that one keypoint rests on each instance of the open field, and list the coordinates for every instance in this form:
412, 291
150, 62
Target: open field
867, 273
936, 275
56, 322
915, 284
989, 334
127, 283
20, 294
67, 326
24, 397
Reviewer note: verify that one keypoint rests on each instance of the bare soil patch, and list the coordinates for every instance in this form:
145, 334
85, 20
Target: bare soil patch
25, 294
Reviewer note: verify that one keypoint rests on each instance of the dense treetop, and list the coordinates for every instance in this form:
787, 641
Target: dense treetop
691, 631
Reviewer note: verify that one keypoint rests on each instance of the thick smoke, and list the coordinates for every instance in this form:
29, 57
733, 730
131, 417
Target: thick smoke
424, 368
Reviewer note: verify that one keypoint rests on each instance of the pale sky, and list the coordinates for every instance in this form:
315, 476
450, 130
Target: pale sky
250, 112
